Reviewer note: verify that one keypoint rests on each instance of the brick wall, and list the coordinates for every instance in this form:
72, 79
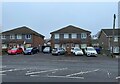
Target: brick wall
37, 41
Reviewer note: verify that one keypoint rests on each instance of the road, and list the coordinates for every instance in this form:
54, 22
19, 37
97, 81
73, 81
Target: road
47, 68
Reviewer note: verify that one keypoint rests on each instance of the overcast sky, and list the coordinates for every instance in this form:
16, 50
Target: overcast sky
45, 17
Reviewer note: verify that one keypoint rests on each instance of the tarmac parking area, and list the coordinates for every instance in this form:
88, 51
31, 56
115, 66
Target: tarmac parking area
47, 68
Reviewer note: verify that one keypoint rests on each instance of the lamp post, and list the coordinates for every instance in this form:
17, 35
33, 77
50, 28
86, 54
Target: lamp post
113, 35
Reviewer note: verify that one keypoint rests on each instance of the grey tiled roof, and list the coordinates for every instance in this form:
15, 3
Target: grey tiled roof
22, 30
109, 32
70, 29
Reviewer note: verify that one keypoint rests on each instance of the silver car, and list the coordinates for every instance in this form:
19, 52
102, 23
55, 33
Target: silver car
58, 51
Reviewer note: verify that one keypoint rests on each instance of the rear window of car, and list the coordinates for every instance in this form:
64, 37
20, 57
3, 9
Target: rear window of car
14, 49
54, 49
28, 48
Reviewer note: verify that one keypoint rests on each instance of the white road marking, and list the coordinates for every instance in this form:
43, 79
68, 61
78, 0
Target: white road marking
2, 74
118, 77
108, 74
10, 70
45, 71
81, 73
3, 66
34, 75
66, 77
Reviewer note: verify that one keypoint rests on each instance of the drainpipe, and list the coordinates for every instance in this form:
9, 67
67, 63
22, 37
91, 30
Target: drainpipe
113, 35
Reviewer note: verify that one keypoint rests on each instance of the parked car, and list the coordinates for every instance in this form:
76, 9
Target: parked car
47, 50
58, 51
97, 49
90, 51
15, 51
31, 50
77, 51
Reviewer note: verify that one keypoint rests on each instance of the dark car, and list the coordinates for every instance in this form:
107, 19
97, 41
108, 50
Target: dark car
58, 51
31, 50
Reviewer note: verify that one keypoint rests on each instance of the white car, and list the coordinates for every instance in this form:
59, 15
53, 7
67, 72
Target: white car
77, 51
46, 50
90, 51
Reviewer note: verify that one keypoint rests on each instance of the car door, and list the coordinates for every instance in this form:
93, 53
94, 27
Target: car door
20, 50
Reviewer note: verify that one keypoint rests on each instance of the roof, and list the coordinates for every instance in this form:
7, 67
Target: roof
70, 29
109, 32
22, 30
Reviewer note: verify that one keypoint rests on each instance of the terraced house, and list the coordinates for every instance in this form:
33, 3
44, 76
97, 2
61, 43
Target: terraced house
21, 37
70, 36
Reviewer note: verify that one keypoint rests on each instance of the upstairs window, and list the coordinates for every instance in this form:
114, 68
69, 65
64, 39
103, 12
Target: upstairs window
74, 36
28, 36
83, 35
19, 36
12, 36
66, 36
57, 36
116, 39
3, 37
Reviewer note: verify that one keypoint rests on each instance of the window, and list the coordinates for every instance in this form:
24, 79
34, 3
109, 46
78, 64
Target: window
4, 46
28, 36
74, 36
116, 39
56, 36
3, 37
83, 46
19, 36
66, 36
12, 36
83, 35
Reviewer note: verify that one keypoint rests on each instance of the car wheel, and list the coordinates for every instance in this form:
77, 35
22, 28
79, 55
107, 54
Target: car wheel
58, 53
88, 55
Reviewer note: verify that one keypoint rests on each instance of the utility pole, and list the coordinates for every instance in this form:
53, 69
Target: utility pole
113, 36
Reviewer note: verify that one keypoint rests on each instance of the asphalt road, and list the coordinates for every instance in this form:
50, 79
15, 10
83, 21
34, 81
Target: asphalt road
47, 68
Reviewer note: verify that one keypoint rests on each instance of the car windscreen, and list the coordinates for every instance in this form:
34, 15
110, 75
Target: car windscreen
77, 49
28, 48
14, 49
54, 49
91, 49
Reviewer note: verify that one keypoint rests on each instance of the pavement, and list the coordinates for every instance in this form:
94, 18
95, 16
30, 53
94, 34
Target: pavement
48, 68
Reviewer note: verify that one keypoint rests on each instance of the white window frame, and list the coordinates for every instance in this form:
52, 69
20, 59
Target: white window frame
116, 39
66, 36
19, 36
74, 36
12, 36
83, 35
28, 36
57, 36
3, 36
4, 46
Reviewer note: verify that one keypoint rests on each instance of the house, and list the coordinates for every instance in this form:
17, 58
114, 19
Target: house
21, 37
106, 40
70, 36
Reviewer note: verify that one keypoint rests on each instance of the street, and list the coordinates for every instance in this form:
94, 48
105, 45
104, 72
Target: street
47, 68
